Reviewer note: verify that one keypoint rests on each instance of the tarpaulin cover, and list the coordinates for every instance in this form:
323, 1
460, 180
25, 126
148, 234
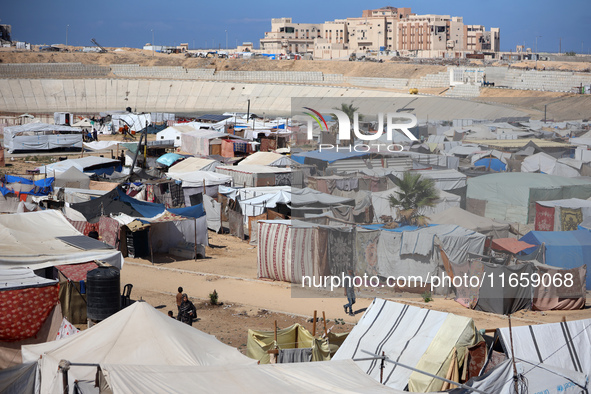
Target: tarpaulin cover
497, 295
22, 278
30, 240
492, 164
565, 249
318, 377
259, 342
540, 378
24, 311
568, 296
482, 225
19, 379
510, 245
117, 201
564, 345
412, 336
122, 339
169, 159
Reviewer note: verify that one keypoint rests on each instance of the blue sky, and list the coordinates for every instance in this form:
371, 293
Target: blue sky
130, 22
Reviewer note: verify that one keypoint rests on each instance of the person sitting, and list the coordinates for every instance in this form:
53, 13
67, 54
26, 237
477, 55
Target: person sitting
187, 311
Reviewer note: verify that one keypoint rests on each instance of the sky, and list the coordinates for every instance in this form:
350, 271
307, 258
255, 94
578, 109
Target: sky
215, 24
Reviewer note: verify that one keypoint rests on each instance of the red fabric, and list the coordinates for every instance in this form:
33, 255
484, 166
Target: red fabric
84, 227
544, 218
109, 231
227, 148
510, 245
23, 311
76, 272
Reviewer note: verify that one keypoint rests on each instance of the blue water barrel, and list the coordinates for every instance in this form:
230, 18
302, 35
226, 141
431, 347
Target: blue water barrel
103, 297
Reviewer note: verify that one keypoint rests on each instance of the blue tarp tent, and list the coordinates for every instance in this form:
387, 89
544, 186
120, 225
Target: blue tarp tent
565, 249
491, 163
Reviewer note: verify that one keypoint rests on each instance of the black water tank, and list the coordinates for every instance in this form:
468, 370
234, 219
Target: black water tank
102, 293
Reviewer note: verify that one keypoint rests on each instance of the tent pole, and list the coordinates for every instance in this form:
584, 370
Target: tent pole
515, 380
382, 367
314, 325
324, 319
195, 247
151, 249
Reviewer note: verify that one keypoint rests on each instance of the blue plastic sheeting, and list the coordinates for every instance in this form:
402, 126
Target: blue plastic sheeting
327, 156
150, 209
45, 185
17, 179
493, 164
108, 171
397, 229
168, 159
565, 249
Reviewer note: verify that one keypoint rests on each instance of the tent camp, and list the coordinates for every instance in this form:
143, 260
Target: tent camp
510, 196
44, 239
41, 136
482, 225
289, 250
425, 339
137, 335
314, 378
563, 249
203, 142
561, 215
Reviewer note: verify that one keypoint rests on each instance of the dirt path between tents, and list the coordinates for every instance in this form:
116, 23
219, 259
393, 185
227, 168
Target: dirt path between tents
249, 302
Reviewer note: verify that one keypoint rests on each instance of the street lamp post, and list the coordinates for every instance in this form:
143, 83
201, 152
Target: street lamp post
67, 26
537, 51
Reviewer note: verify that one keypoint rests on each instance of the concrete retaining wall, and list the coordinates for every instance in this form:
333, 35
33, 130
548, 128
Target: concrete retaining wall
95, 95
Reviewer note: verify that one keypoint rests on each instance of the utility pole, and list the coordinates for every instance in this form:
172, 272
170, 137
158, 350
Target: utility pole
153, 42
67, 26
226, 39
559, 45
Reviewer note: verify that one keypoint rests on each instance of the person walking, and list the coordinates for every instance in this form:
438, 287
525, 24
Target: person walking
179, 299
187, 311
349, 292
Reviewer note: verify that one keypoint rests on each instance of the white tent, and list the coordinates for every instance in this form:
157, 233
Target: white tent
482, 225
41, 136
137, 335
191, 164
543, 162
318, 377
30, 240
267, 159
200, 178
564, 345
417, 337
173, 133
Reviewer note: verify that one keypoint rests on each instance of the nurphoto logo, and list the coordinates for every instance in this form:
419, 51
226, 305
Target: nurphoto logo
345, 124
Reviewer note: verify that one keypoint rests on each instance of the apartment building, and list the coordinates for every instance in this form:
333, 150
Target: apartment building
382, 29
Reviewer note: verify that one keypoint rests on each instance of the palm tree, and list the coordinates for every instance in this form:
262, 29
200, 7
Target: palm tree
416, 193
349, 110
